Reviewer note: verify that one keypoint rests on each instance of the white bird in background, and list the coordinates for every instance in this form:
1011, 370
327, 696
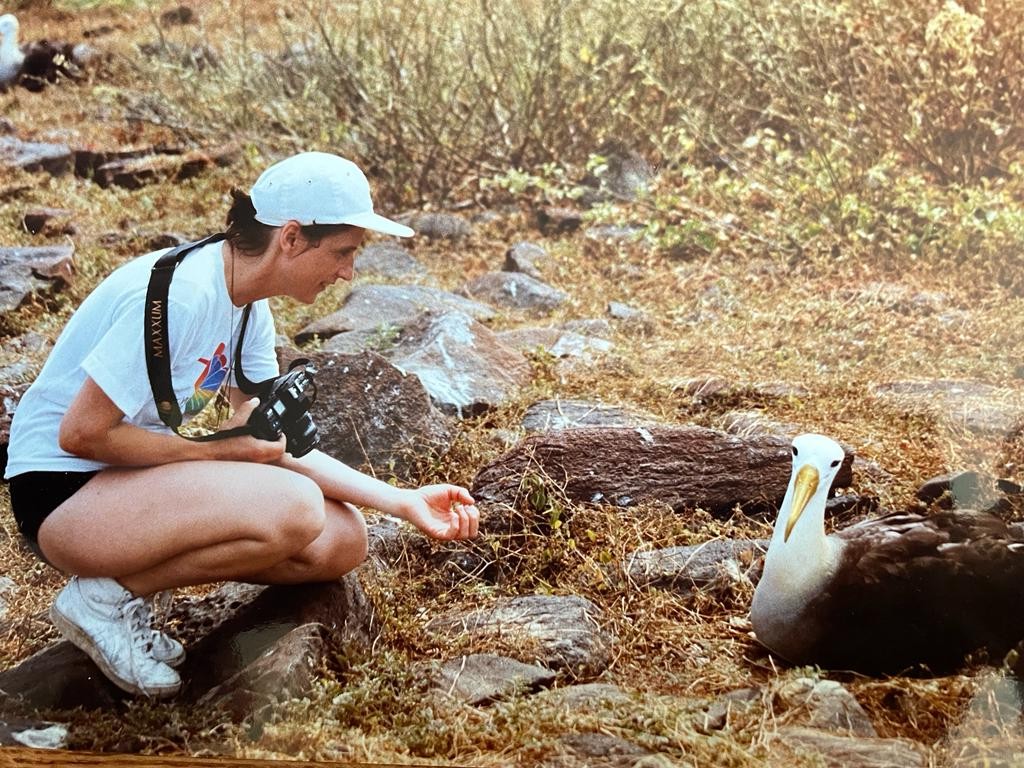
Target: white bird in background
35, 64
903, 592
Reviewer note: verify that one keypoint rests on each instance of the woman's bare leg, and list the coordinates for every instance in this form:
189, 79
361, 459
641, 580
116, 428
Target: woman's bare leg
174, 525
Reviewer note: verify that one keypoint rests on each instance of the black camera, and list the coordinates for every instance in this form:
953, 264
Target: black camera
284, 409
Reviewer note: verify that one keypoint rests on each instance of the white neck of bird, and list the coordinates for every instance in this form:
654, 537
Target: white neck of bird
808, 557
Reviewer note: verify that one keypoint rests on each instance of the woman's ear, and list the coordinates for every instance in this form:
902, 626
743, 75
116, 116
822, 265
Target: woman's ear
291, 239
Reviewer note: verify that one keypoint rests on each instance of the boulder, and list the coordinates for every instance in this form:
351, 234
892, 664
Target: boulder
550, 415
524, 257
370, 413
560, 632
684, 467
54, 159
697, 565
515, 291
975, 406
373, 308
834, 751
389, 261
26, 270
237, 626
439, 226
460, 362
482, 678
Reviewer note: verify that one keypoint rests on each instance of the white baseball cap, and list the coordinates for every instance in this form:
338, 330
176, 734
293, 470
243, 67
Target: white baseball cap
318, 188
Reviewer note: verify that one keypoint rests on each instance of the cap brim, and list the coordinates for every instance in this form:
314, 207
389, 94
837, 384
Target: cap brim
378, 223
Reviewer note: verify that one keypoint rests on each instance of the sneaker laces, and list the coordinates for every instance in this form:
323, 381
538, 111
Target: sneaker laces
137, 617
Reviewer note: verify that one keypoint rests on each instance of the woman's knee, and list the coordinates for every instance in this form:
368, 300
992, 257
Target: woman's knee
299, 512
346, 548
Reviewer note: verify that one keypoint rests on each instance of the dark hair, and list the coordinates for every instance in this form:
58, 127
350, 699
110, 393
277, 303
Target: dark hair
252, 237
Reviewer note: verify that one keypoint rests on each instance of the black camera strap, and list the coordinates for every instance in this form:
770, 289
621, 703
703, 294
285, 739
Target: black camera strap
158, 347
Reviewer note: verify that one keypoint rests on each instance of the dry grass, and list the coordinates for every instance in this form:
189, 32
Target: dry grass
745, 312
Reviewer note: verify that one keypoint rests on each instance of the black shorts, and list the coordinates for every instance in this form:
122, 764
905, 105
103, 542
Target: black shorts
34, 495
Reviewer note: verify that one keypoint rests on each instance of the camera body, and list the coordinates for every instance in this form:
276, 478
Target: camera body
284, 409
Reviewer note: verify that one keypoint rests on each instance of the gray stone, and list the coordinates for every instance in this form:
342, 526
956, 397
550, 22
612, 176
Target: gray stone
615, 232
975, 406
36, 220
370, 413
439, 226
288, 669
523, 257
388, 309
54, 159
26, 270
586, 696
390, 261
597, 326
697, 565
570, 348
241, 622
38, 734
850, 752
683, 466
460, 362
516, 291
482, 678
548, 415
829, 706
560, 632
555, 220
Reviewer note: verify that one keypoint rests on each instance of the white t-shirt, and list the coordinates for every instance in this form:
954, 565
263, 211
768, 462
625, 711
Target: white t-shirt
104, 340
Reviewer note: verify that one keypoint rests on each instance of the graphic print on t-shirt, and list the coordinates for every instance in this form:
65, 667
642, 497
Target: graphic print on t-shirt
214, 372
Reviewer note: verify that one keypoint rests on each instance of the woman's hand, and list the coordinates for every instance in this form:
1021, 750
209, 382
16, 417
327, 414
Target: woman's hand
445, 512
247, 447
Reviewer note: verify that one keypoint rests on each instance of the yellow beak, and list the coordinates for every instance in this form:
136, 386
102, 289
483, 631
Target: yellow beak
804, 486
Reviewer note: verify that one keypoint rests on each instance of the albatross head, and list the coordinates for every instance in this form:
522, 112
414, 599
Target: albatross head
816, 460
9, 28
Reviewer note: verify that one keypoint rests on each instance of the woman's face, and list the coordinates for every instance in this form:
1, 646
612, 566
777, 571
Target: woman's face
321, 264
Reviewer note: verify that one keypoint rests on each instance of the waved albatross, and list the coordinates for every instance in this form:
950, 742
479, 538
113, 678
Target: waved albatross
35, 64
900, 593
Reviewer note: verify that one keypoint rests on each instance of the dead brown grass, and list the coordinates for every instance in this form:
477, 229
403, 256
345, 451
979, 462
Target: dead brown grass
746, 313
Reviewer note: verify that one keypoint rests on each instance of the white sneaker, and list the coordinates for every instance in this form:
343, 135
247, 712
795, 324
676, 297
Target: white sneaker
163, 647
111, 625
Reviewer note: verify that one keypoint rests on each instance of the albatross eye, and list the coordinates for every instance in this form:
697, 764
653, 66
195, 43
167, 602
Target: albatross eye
834, 463
795, 451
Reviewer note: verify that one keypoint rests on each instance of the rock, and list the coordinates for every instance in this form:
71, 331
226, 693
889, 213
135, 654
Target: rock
829, 705
19, 732
368, 412
959, 490
37, 219
6, 585
560, 632
697, 565
516, 291
571, 349
460, 362
630, 317
135, 173
626, 173
684, 467
586, 696
389, 261
26, 270
241, 623
437, 226
599, 750
980, 408
549, 415
178, 16
850, 752
596, 326
753, 423
54, 159
88, 161
615, 232
716, 716
377, 308
288, 669
483, 678
553, 220
523, 257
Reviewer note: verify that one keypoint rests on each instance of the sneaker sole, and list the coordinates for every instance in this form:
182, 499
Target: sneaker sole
84, 643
